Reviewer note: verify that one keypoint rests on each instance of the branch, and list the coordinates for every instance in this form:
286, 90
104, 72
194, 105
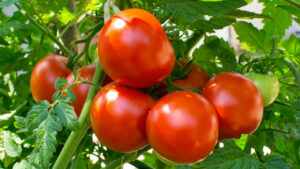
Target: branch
84, 124
45, 31
295, 4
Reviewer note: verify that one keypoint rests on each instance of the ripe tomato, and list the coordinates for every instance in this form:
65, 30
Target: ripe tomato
238, 103
134, 49
182, 127
81, 90
196, 79
44, 74
268, 86
119, 116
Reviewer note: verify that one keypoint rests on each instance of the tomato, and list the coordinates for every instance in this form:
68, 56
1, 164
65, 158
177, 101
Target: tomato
118, 117
268, 86
195, 79
44, 74
81, 90
134, 49
182, 127
238, 103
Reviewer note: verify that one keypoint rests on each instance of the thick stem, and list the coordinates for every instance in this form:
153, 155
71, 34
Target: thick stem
84, 123
295, 4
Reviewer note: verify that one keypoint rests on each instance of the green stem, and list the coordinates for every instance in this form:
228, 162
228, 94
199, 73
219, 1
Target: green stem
284, 105
79, 150
84, 123
126, 158
275, 130
140, 164
46, 32
295, 4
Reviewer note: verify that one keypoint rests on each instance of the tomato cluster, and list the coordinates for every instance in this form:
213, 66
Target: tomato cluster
181, 126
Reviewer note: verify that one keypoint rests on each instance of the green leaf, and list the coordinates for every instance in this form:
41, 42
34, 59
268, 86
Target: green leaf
298, 122
67, 115
245, 14
292, 45
215, 56
71, 95
11, 143
55, 95
46, 141
252, 38
281, 18
228, 157
65, 16
7, 28
275, 162
23, 164
6, 3
21, 122
37, 114
60, 83
189, 11
241, 143
217, 22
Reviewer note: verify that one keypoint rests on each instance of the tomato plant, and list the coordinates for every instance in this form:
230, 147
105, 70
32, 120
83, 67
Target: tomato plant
238, 103
44, 74
134, 49
182, 127
268, 86
119, 116
138, 43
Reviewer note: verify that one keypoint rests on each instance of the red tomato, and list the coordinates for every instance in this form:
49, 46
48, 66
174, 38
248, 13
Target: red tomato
81, 90
119, 116
134, 50
238, 103
196, 79
44, 74
182, 127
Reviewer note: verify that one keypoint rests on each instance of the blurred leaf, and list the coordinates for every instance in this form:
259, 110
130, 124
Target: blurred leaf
275, 162
215, 56
229, 157
60, 83
292, 45
6, 3
252, 38
71, 95
189, 11
7, 28
281, 18
65, 16
11, 143
23, 164
245, 14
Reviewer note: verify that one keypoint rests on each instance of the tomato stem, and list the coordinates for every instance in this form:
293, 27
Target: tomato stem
84, 123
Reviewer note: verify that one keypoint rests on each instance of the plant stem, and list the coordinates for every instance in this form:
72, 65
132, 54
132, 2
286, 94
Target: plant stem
84, 123
140, 164
45, 31
295, 4
126, 158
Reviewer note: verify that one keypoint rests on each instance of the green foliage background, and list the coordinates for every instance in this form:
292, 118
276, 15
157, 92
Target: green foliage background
32, 136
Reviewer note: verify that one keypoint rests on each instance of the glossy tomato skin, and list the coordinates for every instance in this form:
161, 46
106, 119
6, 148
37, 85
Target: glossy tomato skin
196, 79
268, 86
182, 127
81, 90
238, 103
134, 50
44, 74
118, 117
